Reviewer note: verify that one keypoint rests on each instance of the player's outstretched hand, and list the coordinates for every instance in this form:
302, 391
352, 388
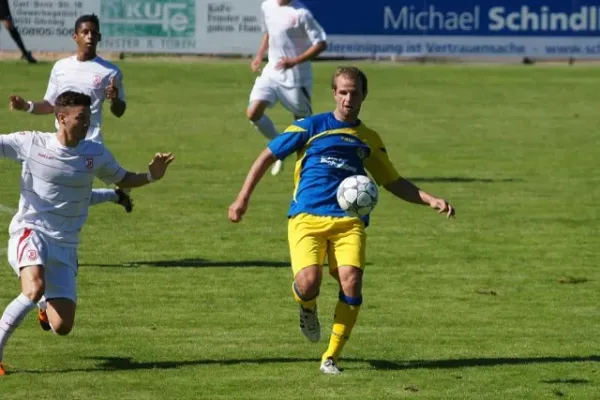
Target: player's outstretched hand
112, 90
17, 103
237, 210
443, 207
255, 65
158, 165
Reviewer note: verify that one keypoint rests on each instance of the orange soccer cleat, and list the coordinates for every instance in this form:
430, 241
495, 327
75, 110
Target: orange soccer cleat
43, 319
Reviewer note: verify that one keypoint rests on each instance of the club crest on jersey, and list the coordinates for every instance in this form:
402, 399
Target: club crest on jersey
97, 81
89, 163
32, 254
361, 153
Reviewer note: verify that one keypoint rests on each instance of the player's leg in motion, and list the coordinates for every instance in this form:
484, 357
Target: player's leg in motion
306, 290
43, 315
61, 290
99, 196
57, 314
307, 249
61, 315
263, 95
118, 196
6, 18
52, 273
346, 257
32, 289
346, 312
256, 116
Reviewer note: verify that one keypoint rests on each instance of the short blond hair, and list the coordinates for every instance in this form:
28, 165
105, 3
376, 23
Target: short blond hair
353, 73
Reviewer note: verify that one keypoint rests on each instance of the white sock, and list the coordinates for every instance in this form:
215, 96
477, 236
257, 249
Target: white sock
265, 126
42, 304
12, 317
103, 196
51, 327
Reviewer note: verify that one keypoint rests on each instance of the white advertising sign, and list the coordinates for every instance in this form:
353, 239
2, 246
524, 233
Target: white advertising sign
230, 26
146, 26
233, 27
46, 25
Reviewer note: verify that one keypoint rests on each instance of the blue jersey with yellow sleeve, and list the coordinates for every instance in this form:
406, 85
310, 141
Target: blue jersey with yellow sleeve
329, 151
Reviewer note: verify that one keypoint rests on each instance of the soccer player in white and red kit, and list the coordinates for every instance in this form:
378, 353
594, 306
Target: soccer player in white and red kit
58, 170
293, 38
88, 73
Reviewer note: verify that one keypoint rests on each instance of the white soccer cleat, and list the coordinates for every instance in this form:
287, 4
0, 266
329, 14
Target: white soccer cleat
309, 325
329, 367
277, 167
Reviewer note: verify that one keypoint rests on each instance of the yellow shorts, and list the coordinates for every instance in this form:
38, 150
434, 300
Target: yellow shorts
312, 237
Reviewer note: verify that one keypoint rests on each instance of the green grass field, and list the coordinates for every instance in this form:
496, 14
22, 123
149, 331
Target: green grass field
178, 303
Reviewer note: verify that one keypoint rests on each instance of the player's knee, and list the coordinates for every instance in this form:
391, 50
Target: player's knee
351, 281
34, 290
61, 315
8, 24
61, 328
254, 113
308, 281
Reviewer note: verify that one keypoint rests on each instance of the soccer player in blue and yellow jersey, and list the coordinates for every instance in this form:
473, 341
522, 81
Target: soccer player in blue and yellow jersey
330, 147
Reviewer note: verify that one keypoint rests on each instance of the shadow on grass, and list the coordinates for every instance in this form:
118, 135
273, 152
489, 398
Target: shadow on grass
574, 381
460, 179
129, 363
194, 263
476, 362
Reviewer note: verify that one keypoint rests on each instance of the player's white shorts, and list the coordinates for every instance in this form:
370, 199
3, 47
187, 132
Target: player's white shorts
296, 100
27, 248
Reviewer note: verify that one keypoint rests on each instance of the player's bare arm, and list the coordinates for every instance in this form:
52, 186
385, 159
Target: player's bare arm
117, 106
407, 191
260, 54
238, 208
41, 107
310, 54
156, 170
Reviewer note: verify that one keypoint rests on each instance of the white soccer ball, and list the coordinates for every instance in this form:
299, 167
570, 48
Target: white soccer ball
357, 195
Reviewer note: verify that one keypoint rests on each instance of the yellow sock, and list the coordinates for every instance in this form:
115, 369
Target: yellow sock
343, 322
310, 304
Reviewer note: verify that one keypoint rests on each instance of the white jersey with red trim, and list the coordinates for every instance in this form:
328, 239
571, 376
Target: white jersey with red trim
292, 30
56, 182
88, 77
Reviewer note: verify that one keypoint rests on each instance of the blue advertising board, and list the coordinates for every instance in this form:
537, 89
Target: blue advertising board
551, 28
